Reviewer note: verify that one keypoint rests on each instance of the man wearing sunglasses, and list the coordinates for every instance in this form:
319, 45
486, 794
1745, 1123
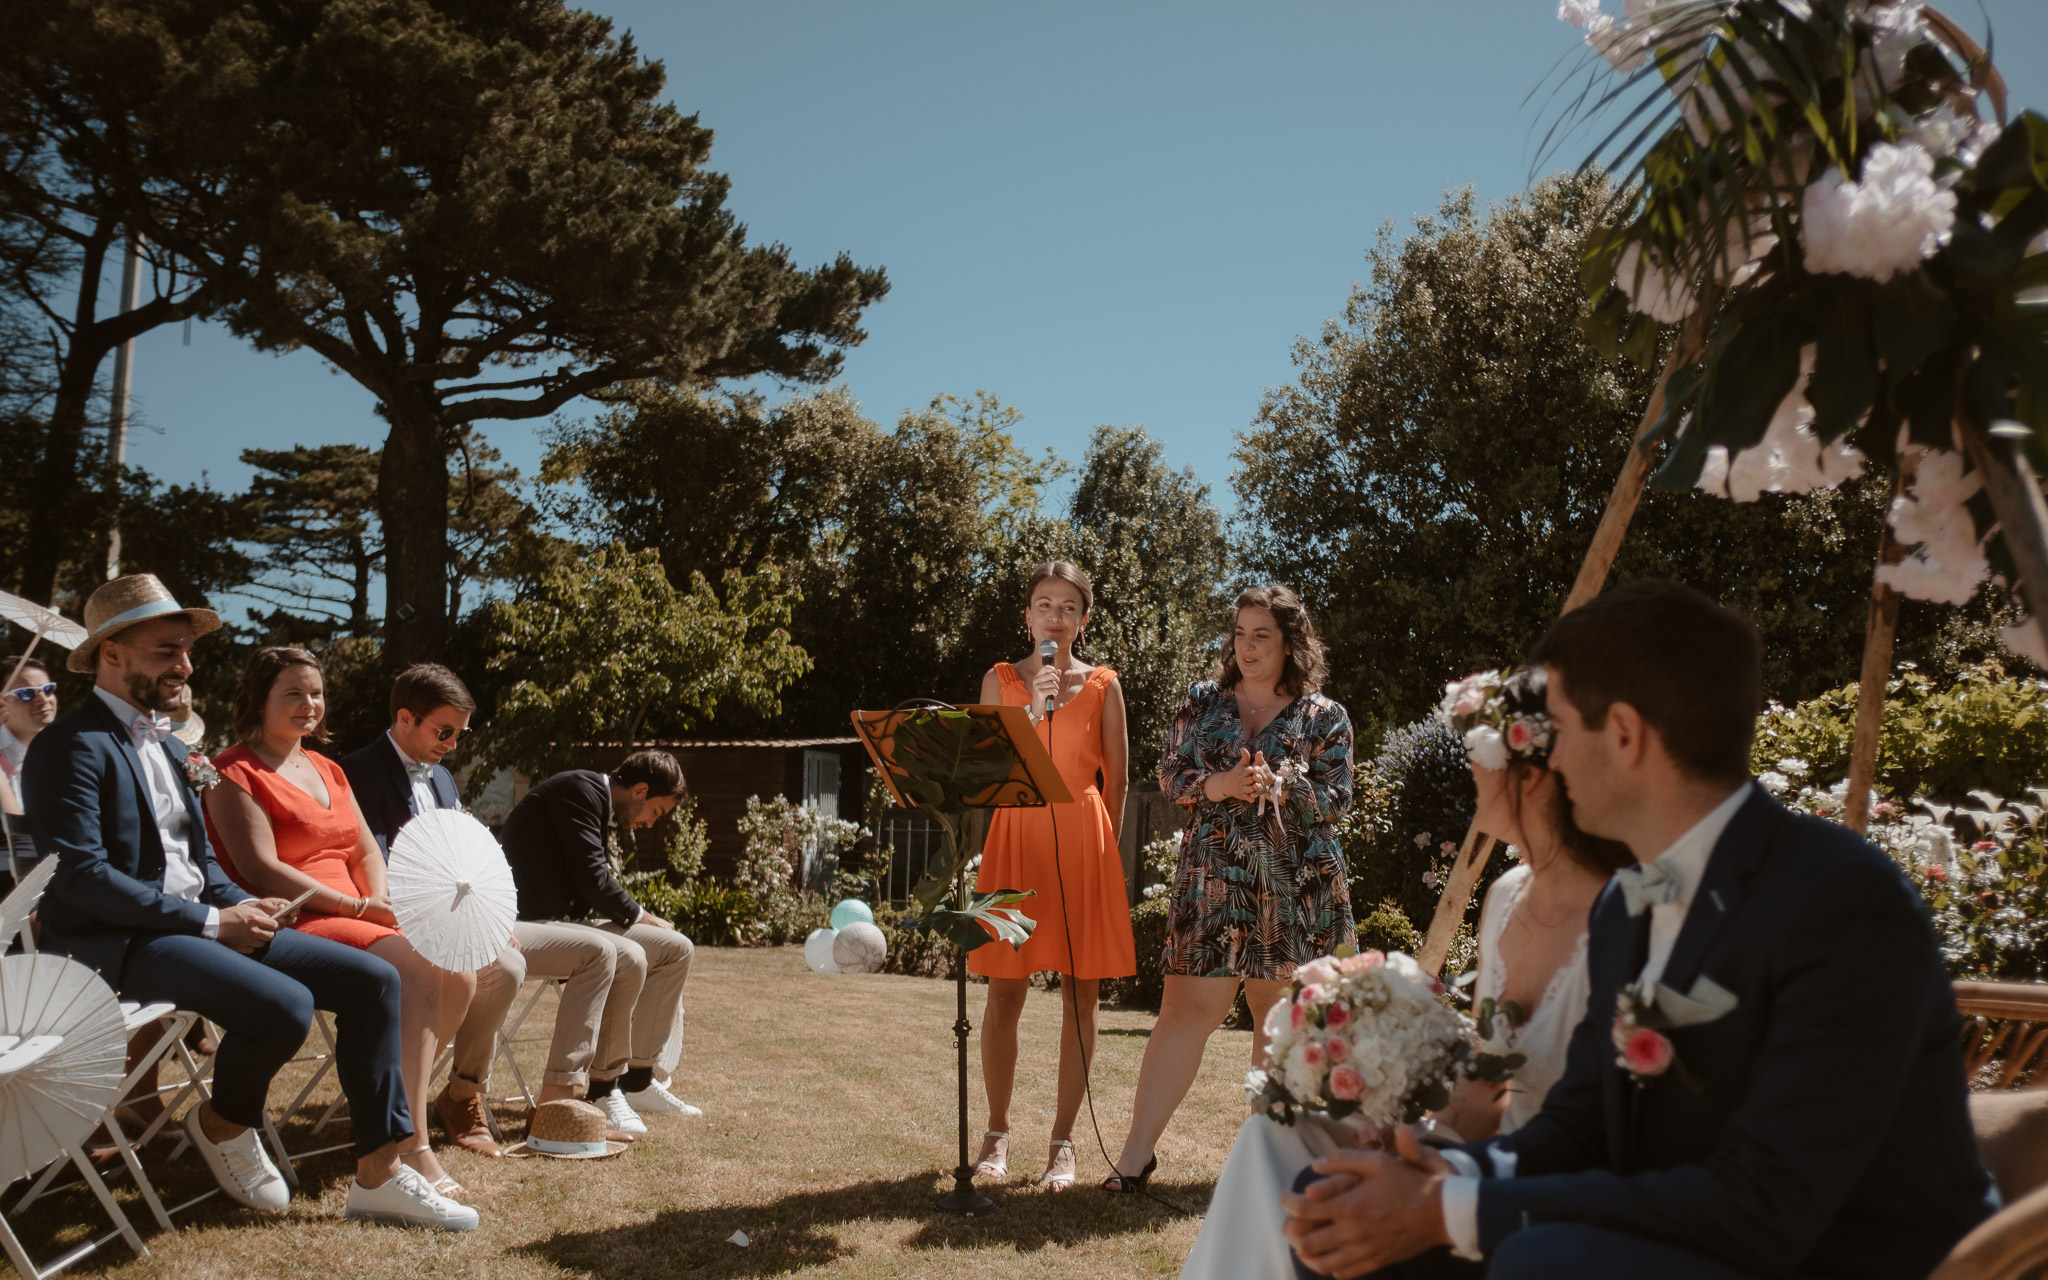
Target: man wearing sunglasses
26, 709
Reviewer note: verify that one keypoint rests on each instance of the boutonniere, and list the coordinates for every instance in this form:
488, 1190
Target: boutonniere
1285, 775
1640, 1044
200, 773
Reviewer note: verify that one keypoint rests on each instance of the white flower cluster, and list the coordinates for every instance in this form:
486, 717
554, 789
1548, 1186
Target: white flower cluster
1889, 222
1363, 1038
1947, 563
1790, 458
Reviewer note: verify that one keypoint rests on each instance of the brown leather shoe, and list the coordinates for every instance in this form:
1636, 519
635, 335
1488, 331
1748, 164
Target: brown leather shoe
466, 1123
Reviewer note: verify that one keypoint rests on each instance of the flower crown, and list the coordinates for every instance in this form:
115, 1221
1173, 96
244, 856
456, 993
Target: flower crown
1500, 715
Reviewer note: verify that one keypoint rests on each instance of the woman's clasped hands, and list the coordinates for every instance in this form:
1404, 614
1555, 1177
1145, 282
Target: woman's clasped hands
1251, 781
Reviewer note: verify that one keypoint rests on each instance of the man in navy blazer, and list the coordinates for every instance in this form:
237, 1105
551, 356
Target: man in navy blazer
399, 772
1769, 1077
397, 776
138, 896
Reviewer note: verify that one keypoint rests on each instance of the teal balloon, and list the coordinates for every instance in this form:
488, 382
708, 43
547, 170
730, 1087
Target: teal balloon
851, 911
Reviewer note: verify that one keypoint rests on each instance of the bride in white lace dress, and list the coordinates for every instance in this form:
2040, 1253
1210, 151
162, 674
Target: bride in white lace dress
1532, 975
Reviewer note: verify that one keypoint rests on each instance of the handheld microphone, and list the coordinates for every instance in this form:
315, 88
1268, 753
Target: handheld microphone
1048, 653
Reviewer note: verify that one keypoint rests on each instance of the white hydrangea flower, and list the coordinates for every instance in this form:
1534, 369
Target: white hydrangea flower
1888, 223
2024, 639
1653, 289
1947, 564
1790, 458
1895, 29
1775, 783
1486, 748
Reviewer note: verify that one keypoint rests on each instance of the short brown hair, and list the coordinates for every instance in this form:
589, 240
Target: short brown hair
425, 687
1692, 669
658, 769
259, 677
1066, 571
7, 665
1305, 668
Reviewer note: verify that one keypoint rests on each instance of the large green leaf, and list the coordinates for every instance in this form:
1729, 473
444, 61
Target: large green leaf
1844, 382
983, 918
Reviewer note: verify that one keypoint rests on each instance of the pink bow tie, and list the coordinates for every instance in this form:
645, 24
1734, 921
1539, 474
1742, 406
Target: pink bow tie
146, 729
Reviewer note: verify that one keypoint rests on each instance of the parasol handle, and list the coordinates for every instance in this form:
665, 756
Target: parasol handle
26, 654
462, 890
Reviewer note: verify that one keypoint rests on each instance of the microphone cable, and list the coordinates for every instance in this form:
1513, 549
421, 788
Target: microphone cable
1080, 1040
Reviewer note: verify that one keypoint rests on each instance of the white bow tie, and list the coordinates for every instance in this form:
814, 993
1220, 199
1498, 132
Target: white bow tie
1643, 885
420, 772
145, 729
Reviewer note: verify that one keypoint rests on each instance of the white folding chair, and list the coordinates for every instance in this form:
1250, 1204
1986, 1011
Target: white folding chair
17, 908
509, 1038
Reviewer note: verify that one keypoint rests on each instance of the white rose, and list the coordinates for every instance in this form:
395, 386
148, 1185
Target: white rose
1483, 744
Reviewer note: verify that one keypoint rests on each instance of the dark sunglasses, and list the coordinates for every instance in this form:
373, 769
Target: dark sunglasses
28, 692
443, 732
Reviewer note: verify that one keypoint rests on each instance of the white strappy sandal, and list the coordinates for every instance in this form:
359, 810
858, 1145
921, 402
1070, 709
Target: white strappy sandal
1052, 1181
995, 1158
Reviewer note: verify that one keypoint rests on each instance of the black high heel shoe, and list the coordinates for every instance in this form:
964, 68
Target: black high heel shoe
1130, 1184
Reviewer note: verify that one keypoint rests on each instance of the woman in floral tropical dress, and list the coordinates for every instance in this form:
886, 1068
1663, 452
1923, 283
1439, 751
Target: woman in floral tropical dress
1264, 762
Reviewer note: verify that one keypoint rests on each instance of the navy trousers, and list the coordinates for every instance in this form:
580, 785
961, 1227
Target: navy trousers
1554, 1251
264, 1001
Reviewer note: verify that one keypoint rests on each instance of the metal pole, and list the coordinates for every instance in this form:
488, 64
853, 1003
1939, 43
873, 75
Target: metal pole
117, 414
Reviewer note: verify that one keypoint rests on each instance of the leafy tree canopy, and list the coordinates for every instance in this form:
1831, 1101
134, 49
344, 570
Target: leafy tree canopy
478, 209
609, 650
1432, 479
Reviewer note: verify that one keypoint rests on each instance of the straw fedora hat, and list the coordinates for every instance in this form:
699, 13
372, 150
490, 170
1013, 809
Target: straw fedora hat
566, 1130
187, 725
121, 604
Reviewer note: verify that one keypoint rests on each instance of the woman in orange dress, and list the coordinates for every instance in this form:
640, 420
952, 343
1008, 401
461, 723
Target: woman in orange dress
1081, 907
286, 821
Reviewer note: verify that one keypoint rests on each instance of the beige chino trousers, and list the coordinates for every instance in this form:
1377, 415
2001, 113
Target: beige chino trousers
621, 1006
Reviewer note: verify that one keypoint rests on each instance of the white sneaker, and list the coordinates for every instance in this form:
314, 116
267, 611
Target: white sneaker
655, 1100
619, 1113
408, 1200
242, 1167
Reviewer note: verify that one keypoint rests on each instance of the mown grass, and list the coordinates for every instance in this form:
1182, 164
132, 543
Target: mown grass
828, 1132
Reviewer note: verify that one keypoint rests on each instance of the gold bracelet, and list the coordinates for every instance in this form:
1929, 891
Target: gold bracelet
362, 904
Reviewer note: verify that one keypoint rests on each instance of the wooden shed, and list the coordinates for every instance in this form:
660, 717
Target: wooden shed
828, 773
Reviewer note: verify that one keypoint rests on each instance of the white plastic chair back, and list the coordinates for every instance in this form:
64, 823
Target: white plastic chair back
20, 904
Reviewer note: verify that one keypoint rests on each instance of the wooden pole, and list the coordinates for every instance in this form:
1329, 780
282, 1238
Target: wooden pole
1478, 847
1878, 636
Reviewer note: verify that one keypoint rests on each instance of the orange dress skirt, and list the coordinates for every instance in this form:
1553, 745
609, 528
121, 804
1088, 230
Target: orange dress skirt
318, 840
1081, 902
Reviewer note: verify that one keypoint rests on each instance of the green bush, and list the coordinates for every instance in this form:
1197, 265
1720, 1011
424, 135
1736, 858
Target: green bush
1386, 928
1409, 811
1149, 922
915, 952
1983, 730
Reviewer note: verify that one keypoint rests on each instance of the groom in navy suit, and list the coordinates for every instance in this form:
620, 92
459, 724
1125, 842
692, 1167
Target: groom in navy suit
1768, 1080
138, 896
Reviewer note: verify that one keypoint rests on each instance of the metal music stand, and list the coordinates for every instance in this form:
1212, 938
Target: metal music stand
946, 760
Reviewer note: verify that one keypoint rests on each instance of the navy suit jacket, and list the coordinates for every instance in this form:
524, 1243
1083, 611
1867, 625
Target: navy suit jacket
1833, 1136
88, 806
377, 775
555, 841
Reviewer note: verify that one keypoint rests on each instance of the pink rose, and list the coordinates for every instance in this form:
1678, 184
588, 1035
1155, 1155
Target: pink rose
1312, 1055
1520, 735
1337, 1050
1337, 1017
1298, 1017
1346, 1084
1647, 1052
1364, 960
1984, 846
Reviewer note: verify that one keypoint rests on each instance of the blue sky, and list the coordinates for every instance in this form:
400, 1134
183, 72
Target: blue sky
1116, 212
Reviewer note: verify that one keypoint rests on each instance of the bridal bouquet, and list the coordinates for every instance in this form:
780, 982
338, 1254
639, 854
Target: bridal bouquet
1367, 1040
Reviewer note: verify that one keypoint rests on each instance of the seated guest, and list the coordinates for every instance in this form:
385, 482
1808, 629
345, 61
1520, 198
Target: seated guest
555, 841
1768, 1080
400, 774
27, 706
138, 897
285, 820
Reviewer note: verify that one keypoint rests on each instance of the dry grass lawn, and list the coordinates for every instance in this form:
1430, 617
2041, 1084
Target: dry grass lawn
829, 1105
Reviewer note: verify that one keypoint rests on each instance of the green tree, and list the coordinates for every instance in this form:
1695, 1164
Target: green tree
477, 211
314, 512
1432, 479
608, 650
75, 83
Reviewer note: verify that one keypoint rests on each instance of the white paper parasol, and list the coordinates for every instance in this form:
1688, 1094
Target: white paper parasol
452, 890
42, 624
63, 1047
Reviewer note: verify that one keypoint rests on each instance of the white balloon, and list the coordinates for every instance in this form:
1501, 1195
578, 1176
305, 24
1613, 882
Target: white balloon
860, 948
818, 950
